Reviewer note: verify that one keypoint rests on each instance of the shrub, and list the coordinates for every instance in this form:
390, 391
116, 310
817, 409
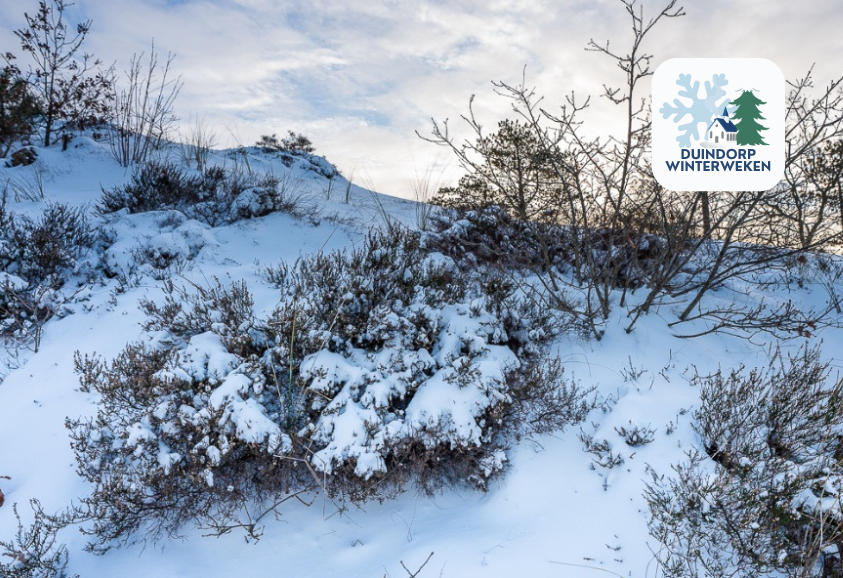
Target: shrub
765, 495
490, 235
379, 338
41, 251
24, 310
34, 552
293, 143
178, 437
213, 196
228, 312
178, 242
636, 435
159, 185
380, 367
36, 258
297, 149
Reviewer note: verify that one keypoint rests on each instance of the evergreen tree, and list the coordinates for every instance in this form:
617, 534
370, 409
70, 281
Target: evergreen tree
514, 171
18, 108
747, 115
72, 89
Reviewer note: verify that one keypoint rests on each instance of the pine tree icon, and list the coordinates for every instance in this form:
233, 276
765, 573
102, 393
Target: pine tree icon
747, 115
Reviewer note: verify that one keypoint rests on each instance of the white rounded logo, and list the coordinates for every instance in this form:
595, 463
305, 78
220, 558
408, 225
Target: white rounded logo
718, 124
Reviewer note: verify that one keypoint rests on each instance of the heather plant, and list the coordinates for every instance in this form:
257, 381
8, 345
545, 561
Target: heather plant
214, 196
762, 494
380, 368
37, 257
43, 250
35, 552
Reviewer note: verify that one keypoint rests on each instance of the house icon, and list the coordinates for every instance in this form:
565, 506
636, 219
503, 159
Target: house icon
721, 132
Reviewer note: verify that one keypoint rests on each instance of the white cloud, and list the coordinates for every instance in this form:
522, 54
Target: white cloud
360, 76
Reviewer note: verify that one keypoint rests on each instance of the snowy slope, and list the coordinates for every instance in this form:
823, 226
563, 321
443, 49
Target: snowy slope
553, 514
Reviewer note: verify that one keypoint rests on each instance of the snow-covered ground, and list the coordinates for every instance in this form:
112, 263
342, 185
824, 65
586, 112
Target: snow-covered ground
553, 514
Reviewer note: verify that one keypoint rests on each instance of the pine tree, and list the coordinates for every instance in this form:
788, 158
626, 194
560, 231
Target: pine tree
512, 170
72, 89
749, 131
18, 108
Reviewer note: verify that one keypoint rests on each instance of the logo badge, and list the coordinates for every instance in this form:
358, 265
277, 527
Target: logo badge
718, 124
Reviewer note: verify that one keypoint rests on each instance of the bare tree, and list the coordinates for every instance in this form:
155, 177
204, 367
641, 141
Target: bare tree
618, 163
142, 116
595, 177
806, 208
627, 233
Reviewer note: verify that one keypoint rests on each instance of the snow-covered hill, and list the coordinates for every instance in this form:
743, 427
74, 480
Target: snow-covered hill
559, 510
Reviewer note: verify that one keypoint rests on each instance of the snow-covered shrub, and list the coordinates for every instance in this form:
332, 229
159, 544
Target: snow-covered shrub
37, 256
226, 311
44, 250
297, 149
24, 309
624, 257
186, 430
179, 436
379, 367
490, 235
636, 435
172, 248
159, 185
34, 553
292, 143
764, 494
214, 196
408, 370
265, 195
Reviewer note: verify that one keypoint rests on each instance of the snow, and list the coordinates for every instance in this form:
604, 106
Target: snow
250, 422
13, 282
554, 513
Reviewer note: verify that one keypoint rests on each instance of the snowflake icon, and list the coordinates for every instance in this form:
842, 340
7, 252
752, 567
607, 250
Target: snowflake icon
701, 110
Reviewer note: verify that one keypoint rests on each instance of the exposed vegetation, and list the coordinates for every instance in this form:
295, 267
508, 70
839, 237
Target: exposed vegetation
230, 415
213, 196
419, 358
764, 493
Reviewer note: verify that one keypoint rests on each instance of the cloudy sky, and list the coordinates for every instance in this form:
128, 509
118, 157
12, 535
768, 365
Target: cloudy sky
360, 77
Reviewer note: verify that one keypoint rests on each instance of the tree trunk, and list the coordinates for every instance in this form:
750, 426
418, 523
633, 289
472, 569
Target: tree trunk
706, 213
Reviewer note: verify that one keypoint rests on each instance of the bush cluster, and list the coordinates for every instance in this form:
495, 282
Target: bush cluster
34, 551
764, 495
42, 250
489, 234
380, 367
294, 143
214, 196
37, 255
425, 365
